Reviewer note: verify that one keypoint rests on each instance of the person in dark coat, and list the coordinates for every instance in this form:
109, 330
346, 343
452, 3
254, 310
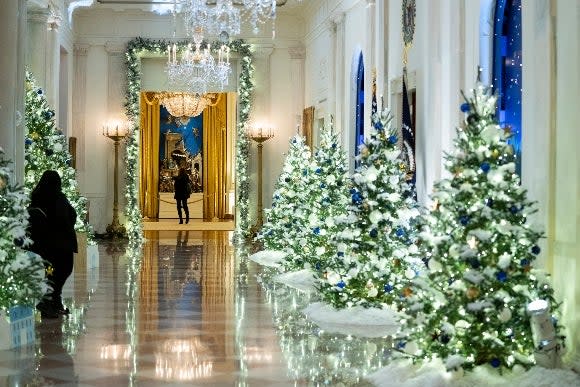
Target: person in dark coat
182, 185
52, 221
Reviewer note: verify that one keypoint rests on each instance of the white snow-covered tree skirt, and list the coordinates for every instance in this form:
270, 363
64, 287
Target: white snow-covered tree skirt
302, 280
355, 321
270, 258
402, 373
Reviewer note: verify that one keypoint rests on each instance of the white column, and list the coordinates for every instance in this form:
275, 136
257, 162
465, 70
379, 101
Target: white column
339, 79
567, 171
369, 59
53, 62
37, 23
12, 46
78, 104
297, 55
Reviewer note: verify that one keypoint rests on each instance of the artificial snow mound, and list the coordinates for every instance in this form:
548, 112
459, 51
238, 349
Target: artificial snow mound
270, 258
302, 280
355, 321
402, 373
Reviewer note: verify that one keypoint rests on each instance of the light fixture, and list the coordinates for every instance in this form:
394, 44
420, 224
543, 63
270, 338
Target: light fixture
185, 105
259, 12
196, 70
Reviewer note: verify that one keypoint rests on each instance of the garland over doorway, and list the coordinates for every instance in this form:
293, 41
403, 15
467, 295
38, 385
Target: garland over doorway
138, 48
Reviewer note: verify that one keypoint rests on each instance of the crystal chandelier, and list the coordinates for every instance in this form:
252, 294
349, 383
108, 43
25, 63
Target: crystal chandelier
185, 105
197, 70
259, 12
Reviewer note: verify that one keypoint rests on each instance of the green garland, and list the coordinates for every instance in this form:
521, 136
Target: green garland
136, 49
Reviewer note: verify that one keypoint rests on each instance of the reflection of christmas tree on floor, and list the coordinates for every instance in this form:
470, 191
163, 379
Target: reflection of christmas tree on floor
46, 149
370, 267
471, 308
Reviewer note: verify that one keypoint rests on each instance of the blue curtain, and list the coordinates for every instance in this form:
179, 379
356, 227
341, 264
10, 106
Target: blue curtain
360, 104
507, 70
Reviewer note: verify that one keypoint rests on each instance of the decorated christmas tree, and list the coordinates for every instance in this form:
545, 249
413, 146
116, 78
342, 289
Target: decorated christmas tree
325, 199
470, 309
22, 279
284, 219
46, 148
370, 267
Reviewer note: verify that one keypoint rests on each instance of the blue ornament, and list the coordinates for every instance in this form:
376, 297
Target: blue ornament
524, 262
316, 230
318, 171
357, 198
495, 363
304, 172
400, 232
322, 185
317, 265
501, 276
340, 254
277, 197
393, 139
464, 220
294, 141
341, 284
352, 191
287, 180
28, 141
444, 338
514, 209
485, 167
333, 145
379, 125
19, 242
536, 250
39, 91
374, 233
388, 288
465, 108
273, 205
401, 344
489, 202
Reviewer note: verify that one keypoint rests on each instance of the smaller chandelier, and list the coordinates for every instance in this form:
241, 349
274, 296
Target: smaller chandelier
184, 105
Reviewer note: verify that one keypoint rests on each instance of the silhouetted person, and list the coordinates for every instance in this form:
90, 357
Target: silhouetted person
182, 186
52, 221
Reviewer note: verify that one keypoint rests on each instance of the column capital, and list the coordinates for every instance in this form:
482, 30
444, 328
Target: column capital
54, 21
337, 18
113, 48
38, 15
297, 52
81, 49
263, 50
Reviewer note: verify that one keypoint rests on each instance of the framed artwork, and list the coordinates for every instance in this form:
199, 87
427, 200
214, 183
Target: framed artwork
307, 125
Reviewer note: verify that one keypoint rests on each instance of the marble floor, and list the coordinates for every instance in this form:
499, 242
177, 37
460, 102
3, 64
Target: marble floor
186, 309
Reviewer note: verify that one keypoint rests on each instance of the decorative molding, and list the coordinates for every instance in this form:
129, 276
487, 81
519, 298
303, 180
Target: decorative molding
297, 52
37, 15
337, 18
263, 51
113, 48
81, 49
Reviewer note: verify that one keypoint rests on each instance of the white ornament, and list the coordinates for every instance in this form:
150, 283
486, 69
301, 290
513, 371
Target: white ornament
320, 250
410, 273
372, 292
435, 265
333, 278
504, 260
375, 216
330, 179
505, 315
371, 174
58, 147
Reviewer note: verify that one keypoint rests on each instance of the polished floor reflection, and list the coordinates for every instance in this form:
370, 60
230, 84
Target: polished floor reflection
186, 309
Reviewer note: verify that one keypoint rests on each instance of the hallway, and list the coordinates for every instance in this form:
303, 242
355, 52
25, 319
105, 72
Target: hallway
189, 310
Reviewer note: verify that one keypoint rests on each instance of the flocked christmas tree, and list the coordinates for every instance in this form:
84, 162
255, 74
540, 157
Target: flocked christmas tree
325, 199
283, 219
371, 268
471, 307
22, 278
46, 148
